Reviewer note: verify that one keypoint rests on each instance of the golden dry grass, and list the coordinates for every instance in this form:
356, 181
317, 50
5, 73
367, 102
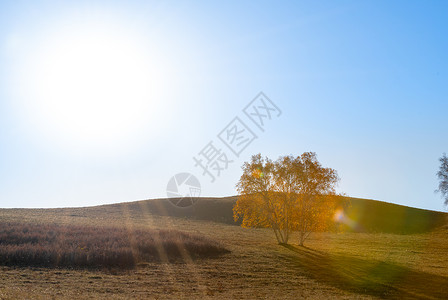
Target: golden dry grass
349, 265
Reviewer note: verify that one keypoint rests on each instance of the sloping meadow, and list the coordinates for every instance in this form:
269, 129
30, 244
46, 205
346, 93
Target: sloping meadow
83, 246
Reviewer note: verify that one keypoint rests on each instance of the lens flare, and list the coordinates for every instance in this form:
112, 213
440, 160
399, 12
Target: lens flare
342, 218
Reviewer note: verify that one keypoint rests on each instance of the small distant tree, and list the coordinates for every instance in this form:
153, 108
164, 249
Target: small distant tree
443, 177
291, 193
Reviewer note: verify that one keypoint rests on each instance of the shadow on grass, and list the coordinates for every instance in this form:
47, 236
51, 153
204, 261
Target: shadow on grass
372, 277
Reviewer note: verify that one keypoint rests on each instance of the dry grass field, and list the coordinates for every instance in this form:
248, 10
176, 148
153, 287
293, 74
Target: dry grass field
332, 265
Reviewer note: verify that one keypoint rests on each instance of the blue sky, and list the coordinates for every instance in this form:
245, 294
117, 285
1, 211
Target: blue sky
362, 83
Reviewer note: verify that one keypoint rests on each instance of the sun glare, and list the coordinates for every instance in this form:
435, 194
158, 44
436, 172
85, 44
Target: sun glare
91, 87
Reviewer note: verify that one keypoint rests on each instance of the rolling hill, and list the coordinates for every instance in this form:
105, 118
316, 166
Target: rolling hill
369, 264
370, 216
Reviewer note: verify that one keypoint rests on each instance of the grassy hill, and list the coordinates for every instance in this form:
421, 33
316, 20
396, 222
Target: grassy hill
365, 215
377, 216
368, 216
331, 265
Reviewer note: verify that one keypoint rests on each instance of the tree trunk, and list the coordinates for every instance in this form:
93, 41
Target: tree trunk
301, 238
276, 235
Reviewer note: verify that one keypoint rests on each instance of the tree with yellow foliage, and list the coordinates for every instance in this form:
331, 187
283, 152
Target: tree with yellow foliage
289, 194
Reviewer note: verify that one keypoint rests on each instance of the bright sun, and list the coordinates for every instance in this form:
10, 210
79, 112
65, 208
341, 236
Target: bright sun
91, 87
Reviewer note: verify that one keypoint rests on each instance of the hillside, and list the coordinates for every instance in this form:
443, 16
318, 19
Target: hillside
365, 215
369, 216
346, 266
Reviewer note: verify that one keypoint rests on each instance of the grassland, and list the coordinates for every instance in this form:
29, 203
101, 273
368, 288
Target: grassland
362, 265
52, 245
